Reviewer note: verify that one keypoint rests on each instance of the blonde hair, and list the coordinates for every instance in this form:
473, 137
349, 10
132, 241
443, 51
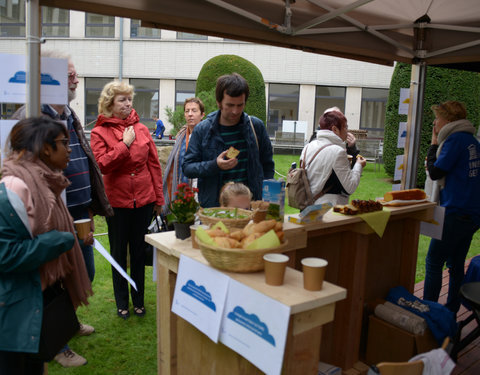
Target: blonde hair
110, 90
450, 110
233, 189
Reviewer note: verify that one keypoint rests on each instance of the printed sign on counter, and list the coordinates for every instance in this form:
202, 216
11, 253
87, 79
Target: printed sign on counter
250, 328
200, 294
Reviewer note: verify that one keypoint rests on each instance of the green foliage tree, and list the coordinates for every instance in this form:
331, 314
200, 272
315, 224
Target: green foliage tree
441, 85
176, 118
227, 64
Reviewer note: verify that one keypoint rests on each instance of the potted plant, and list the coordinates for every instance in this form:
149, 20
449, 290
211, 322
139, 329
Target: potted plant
183, 209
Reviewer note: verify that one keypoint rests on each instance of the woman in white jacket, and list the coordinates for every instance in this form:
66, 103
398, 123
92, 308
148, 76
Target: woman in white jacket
330, 173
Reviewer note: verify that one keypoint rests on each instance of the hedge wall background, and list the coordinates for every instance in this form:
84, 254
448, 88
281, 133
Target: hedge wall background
441, 85
227, 64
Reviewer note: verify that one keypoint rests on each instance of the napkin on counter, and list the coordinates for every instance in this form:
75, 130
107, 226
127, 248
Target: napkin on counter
377, 220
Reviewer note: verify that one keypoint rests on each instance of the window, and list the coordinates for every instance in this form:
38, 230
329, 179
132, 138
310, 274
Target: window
93, 88
12, 18
55, 22
184, 90
146, 99
190, 36
136, 31
99, 26
372, 116
8, 109
328, 97
282, 105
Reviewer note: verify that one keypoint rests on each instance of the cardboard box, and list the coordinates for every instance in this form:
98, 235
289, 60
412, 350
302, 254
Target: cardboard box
273, 191
388, 343
326, 369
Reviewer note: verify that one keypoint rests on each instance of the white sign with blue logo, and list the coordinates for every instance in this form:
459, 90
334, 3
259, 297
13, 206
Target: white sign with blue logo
200, 294
402, 134
255, 326
13, 78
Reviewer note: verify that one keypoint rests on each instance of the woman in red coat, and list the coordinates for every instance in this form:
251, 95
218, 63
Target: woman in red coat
128, 159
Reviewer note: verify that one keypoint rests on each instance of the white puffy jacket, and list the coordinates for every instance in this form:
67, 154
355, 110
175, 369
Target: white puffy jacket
330, 158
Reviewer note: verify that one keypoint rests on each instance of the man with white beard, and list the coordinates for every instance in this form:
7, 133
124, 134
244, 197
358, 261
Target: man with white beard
86, 195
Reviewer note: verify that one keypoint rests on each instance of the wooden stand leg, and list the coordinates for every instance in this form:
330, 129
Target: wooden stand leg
166, 322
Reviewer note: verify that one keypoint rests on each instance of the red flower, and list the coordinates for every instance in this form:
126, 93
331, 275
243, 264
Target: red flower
184, 207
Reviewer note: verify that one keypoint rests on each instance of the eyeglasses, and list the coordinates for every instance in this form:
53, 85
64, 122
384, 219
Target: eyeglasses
65, 141
72, 75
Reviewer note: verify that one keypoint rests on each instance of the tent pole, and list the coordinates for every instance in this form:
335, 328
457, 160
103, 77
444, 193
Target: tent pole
33, 57
414, 126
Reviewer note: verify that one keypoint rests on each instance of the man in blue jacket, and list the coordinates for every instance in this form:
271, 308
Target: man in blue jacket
206, 157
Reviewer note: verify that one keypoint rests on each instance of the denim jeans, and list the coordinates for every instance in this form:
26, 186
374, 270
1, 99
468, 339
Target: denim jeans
452, 249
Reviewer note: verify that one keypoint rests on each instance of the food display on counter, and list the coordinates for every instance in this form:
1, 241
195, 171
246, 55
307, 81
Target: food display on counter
358, 206
405, 195
250, 237
232, 217
225, 213
241, 250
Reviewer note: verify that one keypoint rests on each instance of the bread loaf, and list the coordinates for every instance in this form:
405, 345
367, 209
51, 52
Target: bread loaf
405, 195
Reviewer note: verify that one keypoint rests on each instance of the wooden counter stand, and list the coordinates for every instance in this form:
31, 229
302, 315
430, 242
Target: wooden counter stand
367, 266
181, 347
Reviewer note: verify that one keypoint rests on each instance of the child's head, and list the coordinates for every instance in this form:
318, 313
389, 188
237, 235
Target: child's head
235, 194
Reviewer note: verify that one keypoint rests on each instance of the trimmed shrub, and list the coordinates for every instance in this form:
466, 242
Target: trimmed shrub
227, 64
441, 85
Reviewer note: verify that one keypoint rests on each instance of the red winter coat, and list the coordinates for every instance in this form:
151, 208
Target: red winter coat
132, 175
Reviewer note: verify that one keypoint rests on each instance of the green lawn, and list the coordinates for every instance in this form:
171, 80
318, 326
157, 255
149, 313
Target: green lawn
129, 347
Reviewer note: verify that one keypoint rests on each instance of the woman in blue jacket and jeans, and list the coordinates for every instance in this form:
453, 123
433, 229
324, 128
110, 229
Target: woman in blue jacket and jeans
453, 160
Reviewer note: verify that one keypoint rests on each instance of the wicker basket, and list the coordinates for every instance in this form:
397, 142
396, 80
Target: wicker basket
229, 223
238, 260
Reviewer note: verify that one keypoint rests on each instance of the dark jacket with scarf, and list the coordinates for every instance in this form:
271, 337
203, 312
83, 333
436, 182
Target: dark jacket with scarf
206, 144
21, 301
100, 204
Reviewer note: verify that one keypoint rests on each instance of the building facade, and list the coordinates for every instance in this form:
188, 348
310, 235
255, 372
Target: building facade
163, 66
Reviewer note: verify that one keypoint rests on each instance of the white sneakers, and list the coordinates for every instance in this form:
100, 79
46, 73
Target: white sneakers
85, 330
69, 358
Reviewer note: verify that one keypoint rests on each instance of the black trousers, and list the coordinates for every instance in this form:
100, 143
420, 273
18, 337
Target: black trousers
127, 229
13, 363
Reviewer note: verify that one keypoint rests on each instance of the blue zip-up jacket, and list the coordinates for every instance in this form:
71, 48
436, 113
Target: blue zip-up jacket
21, 299
206, 144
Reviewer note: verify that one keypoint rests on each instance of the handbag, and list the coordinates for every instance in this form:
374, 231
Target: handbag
158, 225
59, 322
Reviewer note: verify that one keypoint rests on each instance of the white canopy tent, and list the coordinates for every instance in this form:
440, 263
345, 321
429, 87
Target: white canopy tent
419, 32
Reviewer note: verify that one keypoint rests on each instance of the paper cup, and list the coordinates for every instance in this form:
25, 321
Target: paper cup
83, 227
193, 229
275, 265
313, 273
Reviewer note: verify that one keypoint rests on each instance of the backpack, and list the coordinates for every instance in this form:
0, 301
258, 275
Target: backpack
298, 187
